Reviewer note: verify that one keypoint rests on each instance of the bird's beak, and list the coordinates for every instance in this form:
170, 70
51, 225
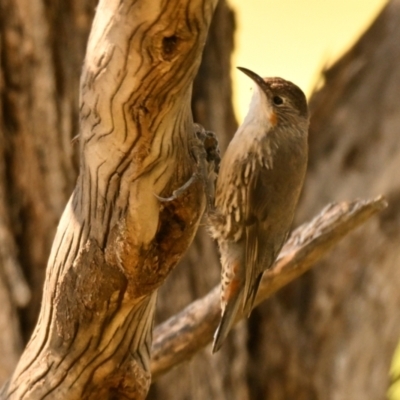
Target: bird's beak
256, 78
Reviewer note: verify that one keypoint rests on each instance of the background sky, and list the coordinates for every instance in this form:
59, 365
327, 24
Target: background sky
294, 39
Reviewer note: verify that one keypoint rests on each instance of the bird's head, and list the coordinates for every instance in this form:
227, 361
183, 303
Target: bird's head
276, 101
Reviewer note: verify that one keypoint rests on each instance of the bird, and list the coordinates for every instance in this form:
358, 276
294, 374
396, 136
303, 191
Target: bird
259, 183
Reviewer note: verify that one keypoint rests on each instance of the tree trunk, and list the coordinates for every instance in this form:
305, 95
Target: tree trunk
42, 48
118, 239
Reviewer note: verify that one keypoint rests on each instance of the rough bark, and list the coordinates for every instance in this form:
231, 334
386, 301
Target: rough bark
116, 241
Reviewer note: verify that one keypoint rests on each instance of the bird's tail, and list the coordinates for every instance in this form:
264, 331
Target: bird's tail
227, 320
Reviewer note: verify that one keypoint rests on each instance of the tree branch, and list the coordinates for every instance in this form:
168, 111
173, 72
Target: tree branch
180, 337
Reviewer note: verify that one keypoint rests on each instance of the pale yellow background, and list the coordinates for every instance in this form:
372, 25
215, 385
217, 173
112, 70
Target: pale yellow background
294, 39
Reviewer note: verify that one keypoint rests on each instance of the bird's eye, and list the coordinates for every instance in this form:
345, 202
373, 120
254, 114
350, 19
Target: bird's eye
277, 100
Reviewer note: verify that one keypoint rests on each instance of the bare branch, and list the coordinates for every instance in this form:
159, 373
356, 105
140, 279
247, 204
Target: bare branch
179, 338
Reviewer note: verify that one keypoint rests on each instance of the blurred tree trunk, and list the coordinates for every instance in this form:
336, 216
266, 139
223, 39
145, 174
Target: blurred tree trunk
42, 46
331, 334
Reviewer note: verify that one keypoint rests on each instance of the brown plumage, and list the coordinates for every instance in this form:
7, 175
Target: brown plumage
258, 187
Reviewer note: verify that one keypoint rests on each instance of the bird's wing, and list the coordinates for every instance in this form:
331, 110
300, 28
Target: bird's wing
256, 233
242, 195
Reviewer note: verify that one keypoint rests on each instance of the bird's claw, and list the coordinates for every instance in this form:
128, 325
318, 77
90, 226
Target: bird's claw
205, 152
176, 193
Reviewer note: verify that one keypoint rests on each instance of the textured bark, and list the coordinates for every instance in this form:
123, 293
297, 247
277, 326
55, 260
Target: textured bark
116, 241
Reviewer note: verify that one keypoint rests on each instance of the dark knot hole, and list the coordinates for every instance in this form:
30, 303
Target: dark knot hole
169, 45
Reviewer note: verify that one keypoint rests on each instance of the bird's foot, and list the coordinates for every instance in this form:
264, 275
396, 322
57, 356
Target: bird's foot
176, 193
205, 151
